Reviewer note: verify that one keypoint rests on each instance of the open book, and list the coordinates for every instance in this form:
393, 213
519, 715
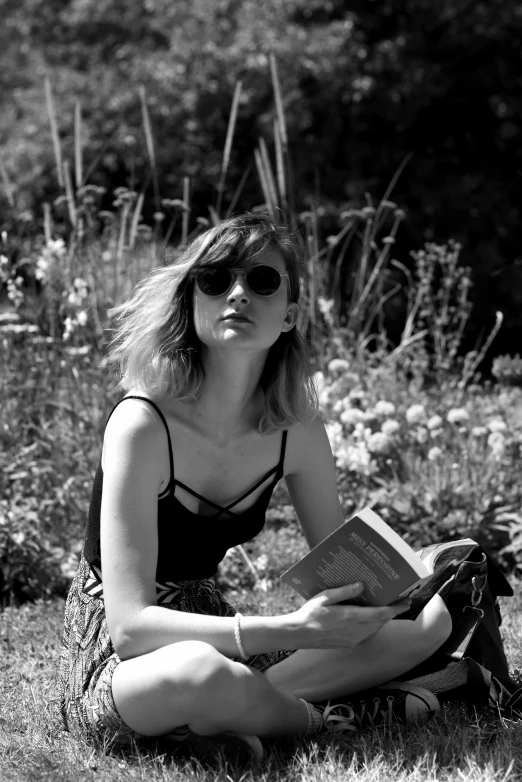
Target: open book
366, 549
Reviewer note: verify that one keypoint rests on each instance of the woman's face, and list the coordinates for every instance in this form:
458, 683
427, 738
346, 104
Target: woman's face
240, 318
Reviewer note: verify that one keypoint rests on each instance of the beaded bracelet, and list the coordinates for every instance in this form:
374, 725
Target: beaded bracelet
237, 635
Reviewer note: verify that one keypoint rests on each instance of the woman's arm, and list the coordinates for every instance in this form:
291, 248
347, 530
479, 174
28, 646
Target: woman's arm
135, 463
311, 480
135, 469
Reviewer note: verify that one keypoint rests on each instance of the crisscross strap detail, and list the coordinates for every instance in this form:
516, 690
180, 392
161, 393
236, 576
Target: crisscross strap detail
277, 471
173, 482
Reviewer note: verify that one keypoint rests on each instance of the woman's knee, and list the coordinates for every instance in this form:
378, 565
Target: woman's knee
197, 671
435, 625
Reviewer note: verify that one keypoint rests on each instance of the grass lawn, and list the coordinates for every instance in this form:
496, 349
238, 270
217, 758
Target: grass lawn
34, 748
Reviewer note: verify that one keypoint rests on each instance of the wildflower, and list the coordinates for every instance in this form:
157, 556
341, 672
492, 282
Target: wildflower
337, 366
378, 443
355, 458
415, 414
497, 443
497, 425
434, 433
479, 431
68, 328
390, 426
81, 318
435, 422
457, 415
351, 416
384, 408
435, 454
421, 435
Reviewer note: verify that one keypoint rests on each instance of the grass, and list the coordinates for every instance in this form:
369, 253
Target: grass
34, 748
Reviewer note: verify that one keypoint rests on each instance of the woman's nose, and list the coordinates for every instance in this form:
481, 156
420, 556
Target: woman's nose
238, 291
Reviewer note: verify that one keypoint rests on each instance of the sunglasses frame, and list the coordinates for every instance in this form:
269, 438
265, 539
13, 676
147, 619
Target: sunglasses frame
234, 271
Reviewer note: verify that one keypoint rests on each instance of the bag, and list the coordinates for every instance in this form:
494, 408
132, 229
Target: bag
471, 665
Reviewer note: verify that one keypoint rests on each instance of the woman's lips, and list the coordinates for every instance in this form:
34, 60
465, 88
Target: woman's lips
237, 318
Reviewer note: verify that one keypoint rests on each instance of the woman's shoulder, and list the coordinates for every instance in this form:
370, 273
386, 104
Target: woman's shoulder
306, 442
134, 422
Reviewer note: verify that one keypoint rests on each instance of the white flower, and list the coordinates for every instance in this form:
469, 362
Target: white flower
421, 435
351, 416
434, 433
479, 431
378, 442
337, 366
435, 453
56, 247
435, 422
355, 458
497, 425
497, 443
82, 318
390, 426
384, 408
359, 430
415, 414
457, 415
68, 328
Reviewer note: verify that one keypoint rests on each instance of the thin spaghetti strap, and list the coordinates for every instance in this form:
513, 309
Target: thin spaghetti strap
162, 417
281, 464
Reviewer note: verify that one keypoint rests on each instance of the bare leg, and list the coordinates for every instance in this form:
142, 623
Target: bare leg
319, 674
190, 683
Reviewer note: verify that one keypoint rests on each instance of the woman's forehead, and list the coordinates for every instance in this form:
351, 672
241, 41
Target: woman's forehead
268, 255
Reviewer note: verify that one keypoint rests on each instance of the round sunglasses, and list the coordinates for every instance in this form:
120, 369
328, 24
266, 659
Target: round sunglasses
262, 280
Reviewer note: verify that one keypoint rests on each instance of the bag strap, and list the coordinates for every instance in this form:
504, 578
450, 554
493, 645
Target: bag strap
463, 633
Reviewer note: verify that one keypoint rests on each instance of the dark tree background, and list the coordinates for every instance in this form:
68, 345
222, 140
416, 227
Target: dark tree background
366, 85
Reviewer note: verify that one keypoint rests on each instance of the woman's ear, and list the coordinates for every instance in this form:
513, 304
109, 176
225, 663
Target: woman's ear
292, 313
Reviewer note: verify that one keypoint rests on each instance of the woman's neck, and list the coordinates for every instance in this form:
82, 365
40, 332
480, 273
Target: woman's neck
231, 400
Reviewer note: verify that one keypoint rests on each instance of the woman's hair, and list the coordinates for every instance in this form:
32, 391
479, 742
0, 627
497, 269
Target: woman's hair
156, 345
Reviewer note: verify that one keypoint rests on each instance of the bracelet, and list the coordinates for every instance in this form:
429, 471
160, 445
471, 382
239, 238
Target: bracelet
237, 635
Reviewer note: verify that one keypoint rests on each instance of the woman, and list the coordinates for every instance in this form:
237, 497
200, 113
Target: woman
219, 406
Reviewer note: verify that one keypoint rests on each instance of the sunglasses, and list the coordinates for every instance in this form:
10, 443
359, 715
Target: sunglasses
262, 280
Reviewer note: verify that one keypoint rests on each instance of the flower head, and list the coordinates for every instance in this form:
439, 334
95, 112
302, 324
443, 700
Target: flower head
435, 454
384, 408
390, 426
415, 414
457, 415
497, 443
337, 366
496, 425
378, 443
435, 422
351, 416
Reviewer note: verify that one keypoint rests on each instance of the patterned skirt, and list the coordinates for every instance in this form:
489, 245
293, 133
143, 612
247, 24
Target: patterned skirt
88, 659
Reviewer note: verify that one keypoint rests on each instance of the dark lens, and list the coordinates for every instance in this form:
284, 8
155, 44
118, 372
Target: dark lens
263, 280
213, 282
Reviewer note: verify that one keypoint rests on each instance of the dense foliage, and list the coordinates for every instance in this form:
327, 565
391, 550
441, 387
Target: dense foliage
366, 87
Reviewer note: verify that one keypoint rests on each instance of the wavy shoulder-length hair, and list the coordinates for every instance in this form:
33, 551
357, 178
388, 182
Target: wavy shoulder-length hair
155, 343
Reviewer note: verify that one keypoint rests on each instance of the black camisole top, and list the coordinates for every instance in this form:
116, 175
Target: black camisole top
190, 546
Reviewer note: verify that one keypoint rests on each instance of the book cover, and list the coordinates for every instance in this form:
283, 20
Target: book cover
366, 549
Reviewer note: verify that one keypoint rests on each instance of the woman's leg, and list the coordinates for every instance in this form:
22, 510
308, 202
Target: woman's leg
320, 674
190, 683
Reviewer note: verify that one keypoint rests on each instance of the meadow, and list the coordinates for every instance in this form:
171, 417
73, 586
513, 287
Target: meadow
417, 432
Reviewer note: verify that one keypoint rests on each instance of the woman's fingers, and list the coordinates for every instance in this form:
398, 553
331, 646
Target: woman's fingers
340, 594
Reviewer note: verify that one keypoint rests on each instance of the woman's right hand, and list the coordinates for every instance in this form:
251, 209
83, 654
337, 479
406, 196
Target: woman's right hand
325, 623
